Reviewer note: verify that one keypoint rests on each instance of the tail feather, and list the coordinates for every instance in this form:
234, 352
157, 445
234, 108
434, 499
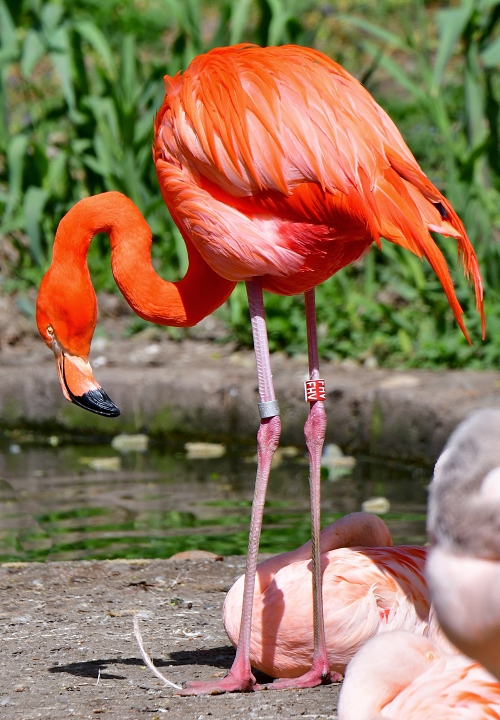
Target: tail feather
468, 258
412, 206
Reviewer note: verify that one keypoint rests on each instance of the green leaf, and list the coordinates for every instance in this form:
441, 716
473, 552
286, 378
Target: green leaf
181, 250
474, 99
51, 16
60, 56
56, 178
491, 55
239, 19
16, 153
380, 33
97, 40
128, 72
451, 24
144, 129
8, 38
94, 164
394, 69
33, 204
105, 113
33, 51
486, 4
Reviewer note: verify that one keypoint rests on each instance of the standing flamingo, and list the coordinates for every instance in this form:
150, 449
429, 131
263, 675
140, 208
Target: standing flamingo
279, 169
403, 676
464, 526
369, 587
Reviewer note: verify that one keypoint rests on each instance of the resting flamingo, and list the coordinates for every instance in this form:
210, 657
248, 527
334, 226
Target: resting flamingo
369, 587
464, 527
279, 169
403, 676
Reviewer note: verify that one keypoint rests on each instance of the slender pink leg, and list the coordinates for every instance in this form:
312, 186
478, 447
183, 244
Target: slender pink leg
315, 428
240, 677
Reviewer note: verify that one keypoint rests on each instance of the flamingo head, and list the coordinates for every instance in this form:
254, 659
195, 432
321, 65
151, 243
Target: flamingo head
66, 320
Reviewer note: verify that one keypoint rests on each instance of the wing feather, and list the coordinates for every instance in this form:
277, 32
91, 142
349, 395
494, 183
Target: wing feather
261, 124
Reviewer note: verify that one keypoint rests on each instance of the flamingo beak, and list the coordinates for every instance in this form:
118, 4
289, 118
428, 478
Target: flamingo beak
79, 387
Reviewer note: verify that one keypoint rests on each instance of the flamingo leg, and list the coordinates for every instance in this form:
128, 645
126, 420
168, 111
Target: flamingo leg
314, 429
240, 677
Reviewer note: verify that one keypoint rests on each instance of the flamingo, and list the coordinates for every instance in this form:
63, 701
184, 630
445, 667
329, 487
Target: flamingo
279, 169
464, 527
403, 676
369, 587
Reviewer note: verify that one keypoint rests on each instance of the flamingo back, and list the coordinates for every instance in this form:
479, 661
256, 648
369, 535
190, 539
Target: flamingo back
277, 163
365, 591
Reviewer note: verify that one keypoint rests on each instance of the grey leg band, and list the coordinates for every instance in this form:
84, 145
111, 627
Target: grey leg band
269, 409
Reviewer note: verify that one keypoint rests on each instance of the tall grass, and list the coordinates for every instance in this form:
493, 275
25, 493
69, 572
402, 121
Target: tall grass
81, 80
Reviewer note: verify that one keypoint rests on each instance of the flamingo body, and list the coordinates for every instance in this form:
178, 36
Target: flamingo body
278, 164
279, 169
401, 676
366, 591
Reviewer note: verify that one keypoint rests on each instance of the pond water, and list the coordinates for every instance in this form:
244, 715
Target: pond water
63, 501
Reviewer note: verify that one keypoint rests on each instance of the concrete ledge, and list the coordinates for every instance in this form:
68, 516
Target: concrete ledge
405, 415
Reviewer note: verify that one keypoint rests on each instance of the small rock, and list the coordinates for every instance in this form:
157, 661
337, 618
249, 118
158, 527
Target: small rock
376, 505
204, 451
107, 464
396, 381
195, 555
99, 344
337, 464
130, 443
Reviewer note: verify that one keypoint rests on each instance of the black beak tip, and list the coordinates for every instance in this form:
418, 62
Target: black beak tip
97, 401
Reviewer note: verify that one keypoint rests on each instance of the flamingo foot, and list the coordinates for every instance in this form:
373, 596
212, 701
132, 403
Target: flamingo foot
233, 682
317, 675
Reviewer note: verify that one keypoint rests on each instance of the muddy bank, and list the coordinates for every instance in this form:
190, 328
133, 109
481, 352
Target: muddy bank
68, 648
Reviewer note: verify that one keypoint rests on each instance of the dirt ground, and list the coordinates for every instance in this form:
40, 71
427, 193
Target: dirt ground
68, 648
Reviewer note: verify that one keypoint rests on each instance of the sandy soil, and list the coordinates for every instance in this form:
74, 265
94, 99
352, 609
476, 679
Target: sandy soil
68, 648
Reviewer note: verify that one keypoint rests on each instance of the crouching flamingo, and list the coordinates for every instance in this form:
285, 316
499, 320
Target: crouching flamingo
279, 169
369, 587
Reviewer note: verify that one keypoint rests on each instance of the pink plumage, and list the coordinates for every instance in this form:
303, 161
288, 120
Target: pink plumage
406, 677
366, 591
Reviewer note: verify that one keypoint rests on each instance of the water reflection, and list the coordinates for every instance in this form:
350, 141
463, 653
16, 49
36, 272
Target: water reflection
74, 502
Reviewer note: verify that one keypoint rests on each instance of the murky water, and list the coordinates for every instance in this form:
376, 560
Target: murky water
67, 502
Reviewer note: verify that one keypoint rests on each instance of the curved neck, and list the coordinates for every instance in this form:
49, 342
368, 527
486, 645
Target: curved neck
180, 304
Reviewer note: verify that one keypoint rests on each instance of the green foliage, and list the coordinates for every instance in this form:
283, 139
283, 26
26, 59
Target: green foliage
81, 80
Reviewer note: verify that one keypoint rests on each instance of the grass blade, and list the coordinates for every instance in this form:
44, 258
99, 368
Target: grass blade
451, 24
97, 40
33, 205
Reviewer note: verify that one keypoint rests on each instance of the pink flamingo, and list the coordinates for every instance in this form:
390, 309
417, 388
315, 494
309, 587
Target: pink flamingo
369, 587
404, 676
279, 169
463, 569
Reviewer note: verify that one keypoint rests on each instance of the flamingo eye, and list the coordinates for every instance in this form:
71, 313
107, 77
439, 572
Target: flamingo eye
50, 330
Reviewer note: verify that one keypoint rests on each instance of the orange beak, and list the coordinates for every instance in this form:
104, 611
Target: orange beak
79, 387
